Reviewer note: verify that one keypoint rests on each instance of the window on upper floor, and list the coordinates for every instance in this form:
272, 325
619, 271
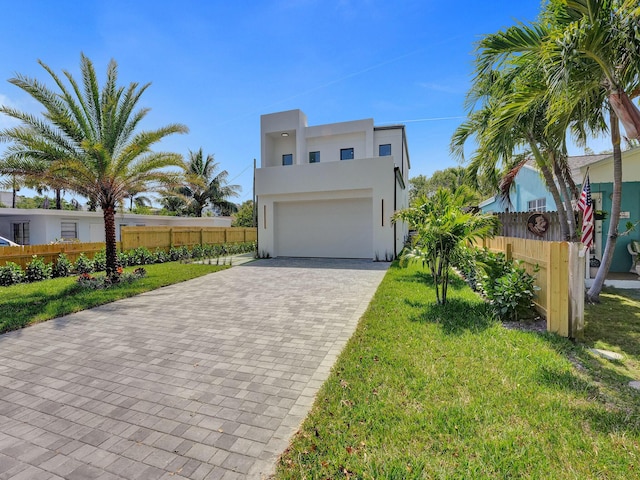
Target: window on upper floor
384, 150
346, 154
287, 159
314, 157
537, 205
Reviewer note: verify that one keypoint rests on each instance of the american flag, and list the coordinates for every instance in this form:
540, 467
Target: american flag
585, 205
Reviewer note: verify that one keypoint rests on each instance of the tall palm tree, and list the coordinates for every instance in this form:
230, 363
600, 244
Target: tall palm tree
207, 186
590, 51
88, 141
14, 183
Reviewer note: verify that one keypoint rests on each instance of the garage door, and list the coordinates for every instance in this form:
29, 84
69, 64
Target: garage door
326, 228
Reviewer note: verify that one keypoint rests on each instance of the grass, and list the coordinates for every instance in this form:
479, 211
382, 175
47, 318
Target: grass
25, 304
422, 391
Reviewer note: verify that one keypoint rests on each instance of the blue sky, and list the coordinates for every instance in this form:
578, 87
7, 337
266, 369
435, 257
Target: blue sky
217, 66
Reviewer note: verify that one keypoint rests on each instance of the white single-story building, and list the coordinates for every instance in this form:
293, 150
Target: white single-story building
39, 226
330, 190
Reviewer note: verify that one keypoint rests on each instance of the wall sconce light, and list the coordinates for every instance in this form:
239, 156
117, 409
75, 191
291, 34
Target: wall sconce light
284, 134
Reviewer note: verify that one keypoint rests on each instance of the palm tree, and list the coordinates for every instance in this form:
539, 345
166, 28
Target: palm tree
590, 51
443, 229
88, 142
14, 183
207, 186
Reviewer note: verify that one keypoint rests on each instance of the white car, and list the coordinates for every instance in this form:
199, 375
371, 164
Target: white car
5, 242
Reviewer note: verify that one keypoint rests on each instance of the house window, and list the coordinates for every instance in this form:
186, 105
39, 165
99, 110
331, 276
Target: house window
384, 150
69, 230
346, 154
21, 233
287, 159
538, 205
314, 157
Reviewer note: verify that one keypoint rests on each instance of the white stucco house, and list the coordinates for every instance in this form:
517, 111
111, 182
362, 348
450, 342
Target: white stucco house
330, 190
39, 226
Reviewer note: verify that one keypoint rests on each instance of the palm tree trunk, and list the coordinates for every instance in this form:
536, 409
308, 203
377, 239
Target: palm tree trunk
109, 215
568, 207
14, 196
593, 295
542, 164
58, 199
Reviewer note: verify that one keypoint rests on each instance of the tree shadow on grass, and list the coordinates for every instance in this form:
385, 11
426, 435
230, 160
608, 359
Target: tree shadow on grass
456, 316
455, 282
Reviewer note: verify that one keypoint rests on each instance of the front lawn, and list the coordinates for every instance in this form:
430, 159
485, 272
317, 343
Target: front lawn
24, 304
422, 391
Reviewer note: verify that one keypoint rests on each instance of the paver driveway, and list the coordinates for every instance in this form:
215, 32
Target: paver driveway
206, 379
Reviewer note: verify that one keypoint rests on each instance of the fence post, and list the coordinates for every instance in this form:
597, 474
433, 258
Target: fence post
509, 251
558, 289
201, 242
170, 238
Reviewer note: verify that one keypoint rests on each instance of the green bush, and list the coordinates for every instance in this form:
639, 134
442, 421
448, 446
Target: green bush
100, 261
10, 274
141, 256
507, 286
83, 264
161, 256
37, 270
62, 267
123, 259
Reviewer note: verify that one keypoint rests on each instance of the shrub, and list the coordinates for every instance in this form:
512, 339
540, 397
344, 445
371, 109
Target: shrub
123, 259
37, 270
62, 267
511, 295
10, 274
140, 256
83, 264
161, 256
197, 252
100, 261
179, 253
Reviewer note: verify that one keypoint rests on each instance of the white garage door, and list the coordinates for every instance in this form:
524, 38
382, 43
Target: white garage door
326, 228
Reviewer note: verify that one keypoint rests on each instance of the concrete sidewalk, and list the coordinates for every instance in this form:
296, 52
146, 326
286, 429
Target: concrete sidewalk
207, 379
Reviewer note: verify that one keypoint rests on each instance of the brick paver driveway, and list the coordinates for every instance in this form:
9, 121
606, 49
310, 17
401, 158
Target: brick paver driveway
206, 379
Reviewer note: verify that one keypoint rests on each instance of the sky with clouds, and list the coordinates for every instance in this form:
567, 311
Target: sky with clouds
217, 66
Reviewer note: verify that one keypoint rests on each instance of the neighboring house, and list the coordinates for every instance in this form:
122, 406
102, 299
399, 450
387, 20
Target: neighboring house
6, 198
330, 190
530, 194
601, 179
39, 226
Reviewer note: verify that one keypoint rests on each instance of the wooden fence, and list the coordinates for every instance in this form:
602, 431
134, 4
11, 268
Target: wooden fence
49, 253
167, 237
560, 278
516, 224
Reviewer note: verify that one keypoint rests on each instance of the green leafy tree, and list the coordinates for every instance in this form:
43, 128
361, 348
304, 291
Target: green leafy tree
88, 141
206, 185
443, 229
245, 217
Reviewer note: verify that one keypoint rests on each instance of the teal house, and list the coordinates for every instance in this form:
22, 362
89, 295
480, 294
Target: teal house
530, 194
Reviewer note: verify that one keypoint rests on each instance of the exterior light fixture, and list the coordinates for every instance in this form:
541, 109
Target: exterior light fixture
284, 134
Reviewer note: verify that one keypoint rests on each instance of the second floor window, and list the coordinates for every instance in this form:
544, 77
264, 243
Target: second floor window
346, 154
314, 157
384, 150
287, 159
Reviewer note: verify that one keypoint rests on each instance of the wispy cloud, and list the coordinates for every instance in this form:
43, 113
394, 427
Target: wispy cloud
437, 87
6, 121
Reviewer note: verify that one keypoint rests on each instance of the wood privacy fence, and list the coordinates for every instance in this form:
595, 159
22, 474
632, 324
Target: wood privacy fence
49, 253
167, 237
560, 278
515, 224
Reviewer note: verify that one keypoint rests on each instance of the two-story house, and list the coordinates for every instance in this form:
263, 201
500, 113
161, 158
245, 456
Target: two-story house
330, 190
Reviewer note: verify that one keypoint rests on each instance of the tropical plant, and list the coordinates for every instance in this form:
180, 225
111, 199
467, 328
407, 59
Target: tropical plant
62, 267
206, 185
89, 142
10, 274
443, 229
37, 270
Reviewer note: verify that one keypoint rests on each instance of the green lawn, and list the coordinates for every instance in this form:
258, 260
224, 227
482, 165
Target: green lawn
422, 391
25, 304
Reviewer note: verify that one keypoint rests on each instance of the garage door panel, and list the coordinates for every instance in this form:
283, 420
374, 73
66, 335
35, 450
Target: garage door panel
326, 228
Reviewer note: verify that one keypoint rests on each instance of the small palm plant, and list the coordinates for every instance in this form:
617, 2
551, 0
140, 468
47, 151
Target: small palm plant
443, 229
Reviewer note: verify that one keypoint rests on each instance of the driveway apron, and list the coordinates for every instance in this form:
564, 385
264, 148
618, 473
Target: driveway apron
207, 379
